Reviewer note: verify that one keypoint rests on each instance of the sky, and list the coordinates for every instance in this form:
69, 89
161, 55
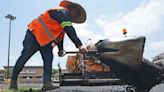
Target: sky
105, 20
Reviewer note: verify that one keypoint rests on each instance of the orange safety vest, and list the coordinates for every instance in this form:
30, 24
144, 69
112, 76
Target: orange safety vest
46, 29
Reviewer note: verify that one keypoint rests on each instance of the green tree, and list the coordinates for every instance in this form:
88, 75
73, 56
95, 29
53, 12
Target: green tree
54, 71
6, 71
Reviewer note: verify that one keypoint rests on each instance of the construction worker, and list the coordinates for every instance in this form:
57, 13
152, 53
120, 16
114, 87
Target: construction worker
46, 32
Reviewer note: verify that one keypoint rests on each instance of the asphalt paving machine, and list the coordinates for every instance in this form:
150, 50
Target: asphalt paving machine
113, 63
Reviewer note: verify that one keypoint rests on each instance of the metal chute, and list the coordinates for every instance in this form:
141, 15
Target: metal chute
128, 64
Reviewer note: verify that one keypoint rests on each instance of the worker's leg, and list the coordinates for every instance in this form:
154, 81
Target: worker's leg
30, 46
47, 56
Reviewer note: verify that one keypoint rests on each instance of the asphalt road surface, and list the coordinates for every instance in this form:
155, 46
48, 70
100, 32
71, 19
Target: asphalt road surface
157, 88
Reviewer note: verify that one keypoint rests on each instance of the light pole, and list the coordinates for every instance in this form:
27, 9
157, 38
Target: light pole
10, 17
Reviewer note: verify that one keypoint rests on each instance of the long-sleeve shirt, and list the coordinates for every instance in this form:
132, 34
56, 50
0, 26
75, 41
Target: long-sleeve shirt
64, 16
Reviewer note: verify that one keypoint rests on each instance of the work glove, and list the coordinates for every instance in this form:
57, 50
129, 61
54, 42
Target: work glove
82, 49
61, 53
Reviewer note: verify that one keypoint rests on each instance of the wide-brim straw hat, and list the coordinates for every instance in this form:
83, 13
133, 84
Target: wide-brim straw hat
74, 7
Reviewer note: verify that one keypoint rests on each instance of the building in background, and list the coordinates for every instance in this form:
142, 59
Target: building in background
2, 72
29, 74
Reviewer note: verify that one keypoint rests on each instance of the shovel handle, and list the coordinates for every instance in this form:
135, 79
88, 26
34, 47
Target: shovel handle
74, 52
91, 51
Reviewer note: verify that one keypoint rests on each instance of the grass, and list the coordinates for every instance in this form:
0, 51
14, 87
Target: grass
23, 89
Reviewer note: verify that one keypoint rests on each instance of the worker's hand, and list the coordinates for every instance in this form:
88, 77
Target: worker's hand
53, 44
82, 49
61, 53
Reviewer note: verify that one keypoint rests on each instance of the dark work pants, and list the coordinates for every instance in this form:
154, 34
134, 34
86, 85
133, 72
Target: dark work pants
31, 46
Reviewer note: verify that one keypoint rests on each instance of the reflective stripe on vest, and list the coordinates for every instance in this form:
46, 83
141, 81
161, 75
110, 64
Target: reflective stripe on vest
66, 23
56, 40
46, 29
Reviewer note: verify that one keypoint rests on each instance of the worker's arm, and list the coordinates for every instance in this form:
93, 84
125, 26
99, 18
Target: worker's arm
60, 48
64, 19
60, 45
